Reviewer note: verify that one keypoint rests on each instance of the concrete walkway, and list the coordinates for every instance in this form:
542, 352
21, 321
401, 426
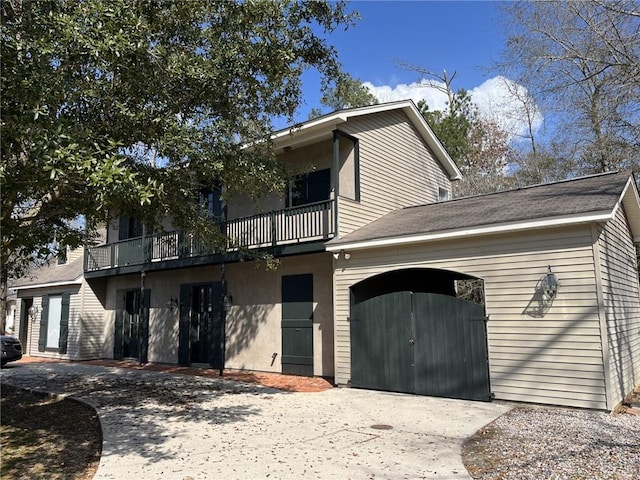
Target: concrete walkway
168, 426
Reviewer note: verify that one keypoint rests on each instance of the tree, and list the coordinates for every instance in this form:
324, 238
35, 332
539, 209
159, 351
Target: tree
546, 164
453, 126
486, 167
116, 106
477, 145
582, 60
345, 92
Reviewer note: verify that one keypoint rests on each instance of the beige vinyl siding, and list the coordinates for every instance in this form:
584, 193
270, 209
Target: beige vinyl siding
73, 340
353, 215
554, 358
621, 295
33, 333
92, 315
397, 169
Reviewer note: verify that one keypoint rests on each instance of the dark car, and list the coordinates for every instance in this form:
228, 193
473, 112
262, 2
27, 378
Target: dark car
11, 349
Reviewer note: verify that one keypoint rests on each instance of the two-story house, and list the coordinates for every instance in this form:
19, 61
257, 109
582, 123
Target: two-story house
201, 308
377, 268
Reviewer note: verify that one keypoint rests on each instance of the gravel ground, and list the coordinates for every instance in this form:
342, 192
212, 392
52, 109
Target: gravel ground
555, 443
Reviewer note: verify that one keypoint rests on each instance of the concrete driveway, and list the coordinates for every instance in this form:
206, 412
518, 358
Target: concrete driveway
159, 425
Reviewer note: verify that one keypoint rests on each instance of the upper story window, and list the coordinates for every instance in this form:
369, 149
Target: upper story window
62, 255
210, 202
443, 194
310, 188
129, 227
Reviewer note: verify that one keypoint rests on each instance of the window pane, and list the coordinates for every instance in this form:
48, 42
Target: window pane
319, 185
210, 203
310, 188
135, 228
299, 191
53, 321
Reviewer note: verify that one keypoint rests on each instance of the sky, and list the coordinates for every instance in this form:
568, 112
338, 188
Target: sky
465, 37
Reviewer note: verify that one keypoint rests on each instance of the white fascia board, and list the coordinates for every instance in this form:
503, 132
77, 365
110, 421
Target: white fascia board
77, 281
327, 123
323, 123
470, 232
630, 199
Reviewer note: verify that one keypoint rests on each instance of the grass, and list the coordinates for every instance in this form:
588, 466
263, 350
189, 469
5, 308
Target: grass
45, 437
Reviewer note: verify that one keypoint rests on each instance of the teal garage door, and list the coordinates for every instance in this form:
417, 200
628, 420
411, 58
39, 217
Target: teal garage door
424, 343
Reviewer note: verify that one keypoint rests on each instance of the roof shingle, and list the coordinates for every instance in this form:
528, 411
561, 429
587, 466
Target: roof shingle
582, 196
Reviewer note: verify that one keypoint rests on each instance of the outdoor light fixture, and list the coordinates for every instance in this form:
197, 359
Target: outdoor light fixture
172, 303
344, 254
549, 285
33, 312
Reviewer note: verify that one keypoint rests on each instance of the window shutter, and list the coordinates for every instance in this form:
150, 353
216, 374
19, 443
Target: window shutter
117, 336
184, 344
44, 319
64, 324
144, 327
123, 228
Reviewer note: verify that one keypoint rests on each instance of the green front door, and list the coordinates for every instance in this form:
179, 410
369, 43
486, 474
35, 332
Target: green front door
297, 324
131, 336
201, 324
131, 325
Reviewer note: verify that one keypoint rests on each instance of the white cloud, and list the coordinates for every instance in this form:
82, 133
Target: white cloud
416, 91
501, 100
497, 99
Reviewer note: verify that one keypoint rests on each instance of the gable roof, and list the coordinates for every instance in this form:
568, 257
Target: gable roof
52, 275
322, 127
582, 200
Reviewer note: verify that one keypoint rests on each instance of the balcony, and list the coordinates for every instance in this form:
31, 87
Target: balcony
281, 228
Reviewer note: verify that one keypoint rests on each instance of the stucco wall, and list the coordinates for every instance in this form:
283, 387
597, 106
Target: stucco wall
253, 320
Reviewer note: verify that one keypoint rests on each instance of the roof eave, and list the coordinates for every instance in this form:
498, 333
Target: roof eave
322, 126
471, 232
63, 283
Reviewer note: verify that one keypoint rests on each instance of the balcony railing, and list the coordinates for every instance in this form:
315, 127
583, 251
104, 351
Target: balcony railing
305, 223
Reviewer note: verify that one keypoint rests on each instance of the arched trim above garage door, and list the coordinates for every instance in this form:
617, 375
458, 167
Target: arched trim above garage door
425, 280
